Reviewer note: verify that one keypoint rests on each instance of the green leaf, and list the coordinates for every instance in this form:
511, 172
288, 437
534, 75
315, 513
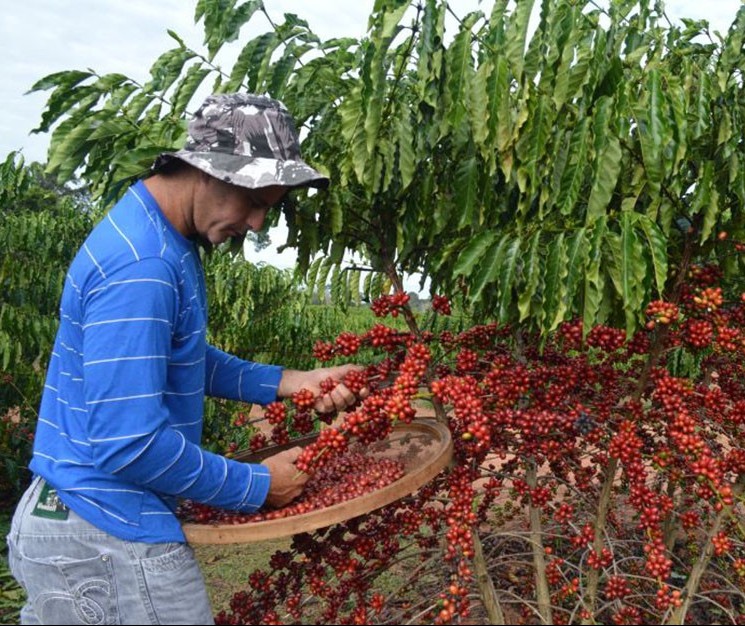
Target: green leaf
677, 97
284, 67
725, 128
702, 195
312, 275
337, 252
574, 172
531, 263
473, 253
168, 67
187, 87
466, 190
516, 37
223, 21
135, 163
478, 107
499, 120
405, 142
650, 118
594, 281
606, 179
657, 246
632, 270
487, 272
338, 288
711, 215
175, 36
354, 286
352, 130
336, 216
575, 60
459, 69
378, 285
700, 107
66, 79
251, 61
375, 72
554, 296
69, 154
507, 278
367, 285
323, 273
66, 101
115, 127
577, 261
534, 144
430, 52
731, 57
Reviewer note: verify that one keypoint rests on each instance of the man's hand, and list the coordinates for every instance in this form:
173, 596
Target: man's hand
337, 400
287, 481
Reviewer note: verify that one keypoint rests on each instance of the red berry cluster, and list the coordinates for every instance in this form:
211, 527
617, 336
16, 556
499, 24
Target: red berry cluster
606, 338
330, 443
323, 351
356, 381
661, 312
570, 334
347, 476
668, 598
722, 543
617, 588
258, 442
275, 412
441, 304
698, 333
347, 344
304, 399
328, 385
709, 299
381, 336
390, 304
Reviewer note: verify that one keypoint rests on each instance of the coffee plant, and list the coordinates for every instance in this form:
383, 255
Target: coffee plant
41, 225
626, 453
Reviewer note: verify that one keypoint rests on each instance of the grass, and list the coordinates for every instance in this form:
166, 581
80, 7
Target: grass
11, 594
226, 567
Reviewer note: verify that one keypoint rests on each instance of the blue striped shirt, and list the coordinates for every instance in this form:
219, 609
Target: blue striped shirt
120, 421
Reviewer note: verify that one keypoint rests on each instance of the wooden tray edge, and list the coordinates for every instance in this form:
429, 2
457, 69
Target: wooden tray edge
252, 532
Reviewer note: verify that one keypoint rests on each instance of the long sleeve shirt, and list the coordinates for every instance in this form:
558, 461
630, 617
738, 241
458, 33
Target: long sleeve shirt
121, 416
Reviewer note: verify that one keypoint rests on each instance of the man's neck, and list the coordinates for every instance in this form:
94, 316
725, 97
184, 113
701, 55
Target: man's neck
174, 197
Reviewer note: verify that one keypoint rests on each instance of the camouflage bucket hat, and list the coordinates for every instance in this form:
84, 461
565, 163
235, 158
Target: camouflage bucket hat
246, 140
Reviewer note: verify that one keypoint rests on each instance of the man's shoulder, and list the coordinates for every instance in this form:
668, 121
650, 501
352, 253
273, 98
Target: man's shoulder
129, 232
126, 243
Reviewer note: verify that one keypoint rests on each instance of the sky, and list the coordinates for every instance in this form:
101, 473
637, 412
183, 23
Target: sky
39, 37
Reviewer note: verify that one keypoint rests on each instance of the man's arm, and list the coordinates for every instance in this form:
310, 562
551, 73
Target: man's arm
232, 378
127, 338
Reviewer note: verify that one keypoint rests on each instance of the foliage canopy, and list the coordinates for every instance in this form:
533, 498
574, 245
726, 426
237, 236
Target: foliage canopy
548, 173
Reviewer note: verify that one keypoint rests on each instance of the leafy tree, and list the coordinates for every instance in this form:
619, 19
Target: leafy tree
560, 174
41, 226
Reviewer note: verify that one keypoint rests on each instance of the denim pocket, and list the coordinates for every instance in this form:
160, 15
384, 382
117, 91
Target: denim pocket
176, 587
63, 590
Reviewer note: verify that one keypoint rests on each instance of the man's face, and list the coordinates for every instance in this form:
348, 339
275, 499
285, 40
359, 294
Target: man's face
223, 211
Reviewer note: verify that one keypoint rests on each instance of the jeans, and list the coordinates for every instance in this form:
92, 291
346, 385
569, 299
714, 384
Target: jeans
73, 573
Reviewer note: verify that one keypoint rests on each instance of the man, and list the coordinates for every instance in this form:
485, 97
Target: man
94, 540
